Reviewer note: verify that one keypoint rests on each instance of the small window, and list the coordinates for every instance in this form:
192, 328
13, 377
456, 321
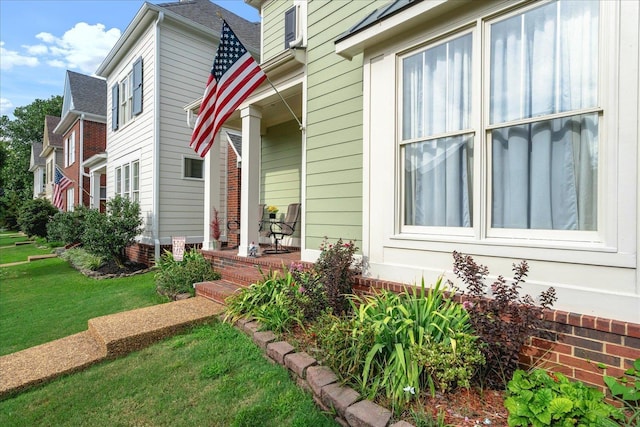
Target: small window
193, 168
126, 179
103, 193
135, 181
290, 27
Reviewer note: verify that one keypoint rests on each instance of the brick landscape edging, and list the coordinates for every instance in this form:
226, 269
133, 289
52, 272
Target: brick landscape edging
350, 409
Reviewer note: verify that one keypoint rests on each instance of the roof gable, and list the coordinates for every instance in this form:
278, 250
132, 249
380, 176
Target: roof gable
50, 138
87, 94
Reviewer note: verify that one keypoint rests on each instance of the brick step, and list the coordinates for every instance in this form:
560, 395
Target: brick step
217, 290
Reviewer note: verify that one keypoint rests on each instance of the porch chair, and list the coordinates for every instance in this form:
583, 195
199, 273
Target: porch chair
233, 226
280, 229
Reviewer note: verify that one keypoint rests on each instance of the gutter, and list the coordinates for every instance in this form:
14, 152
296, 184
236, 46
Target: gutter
156, 140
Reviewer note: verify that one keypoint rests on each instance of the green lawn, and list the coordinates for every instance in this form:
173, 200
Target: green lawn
211, 376
11, 237
21, 253
45, 300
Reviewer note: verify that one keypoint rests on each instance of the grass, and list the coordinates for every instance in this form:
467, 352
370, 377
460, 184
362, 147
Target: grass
20, 253
213, 375
8, 238
45, 300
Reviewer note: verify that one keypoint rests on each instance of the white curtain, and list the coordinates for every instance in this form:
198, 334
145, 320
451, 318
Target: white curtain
437, 99
544, 174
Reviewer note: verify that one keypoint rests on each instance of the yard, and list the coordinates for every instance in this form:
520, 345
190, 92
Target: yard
211, 375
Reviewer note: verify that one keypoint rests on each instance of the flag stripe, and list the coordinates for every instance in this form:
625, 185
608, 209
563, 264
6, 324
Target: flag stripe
60, 185
234, 76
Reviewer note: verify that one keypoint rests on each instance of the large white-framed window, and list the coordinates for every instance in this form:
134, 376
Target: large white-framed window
126, 96
127, 180
514, 117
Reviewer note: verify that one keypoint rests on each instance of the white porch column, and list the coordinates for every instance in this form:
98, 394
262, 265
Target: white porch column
250, 178
94, 185
211, 188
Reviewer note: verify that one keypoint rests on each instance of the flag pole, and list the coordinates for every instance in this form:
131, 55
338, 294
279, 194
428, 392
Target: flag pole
285, 103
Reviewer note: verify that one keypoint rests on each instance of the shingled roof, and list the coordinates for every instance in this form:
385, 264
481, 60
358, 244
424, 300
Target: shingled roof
51, 122
89, 94
208, 14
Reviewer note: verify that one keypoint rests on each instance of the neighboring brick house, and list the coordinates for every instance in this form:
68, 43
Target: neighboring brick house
82, 128
52, 153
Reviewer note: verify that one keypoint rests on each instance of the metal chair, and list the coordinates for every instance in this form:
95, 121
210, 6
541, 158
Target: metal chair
233, 226
280, 229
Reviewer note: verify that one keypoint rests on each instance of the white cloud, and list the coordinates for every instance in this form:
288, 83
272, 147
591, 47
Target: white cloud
56, 63
11, 58
38, 49
82, 47
6, 106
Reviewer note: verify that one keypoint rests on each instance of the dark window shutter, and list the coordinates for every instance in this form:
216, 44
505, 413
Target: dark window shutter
114, 107
289, 26
137, 87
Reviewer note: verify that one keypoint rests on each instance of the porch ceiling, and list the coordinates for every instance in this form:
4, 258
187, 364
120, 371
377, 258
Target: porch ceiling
274, 111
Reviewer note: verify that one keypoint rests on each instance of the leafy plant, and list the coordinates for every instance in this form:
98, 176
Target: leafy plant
504, 321
108, 234
310, 296
177, 277
215, 225
626, 389
450, 365
68, 227
336, 267
402, 322
34, 216
82, 259
267, 301
542, 399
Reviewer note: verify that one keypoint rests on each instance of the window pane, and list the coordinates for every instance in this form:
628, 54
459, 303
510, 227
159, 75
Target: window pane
127, 178
118, 183
436, 89
545, 61
136, 176
544, 175
193, 168
438, 182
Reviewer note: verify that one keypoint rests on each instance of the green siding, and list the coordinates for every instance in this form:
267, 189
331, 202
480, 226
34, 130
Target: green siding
281, 162
334, 125
273, 27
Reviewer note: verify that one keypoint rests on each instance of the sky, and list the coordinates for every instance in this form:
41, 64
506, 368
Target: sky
41, 39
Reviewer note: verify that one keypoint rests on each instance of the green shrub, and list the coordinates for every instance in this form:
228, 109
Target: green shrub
450, 365
269, 301
68, 227
177, 277
336, 268
108, 234
34, 216
310, 296
540, 398
82, 259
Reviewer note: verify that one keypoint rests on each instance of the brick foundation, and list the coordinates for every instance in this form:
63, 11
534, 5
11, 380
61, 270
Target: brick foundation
574, 344
145, 254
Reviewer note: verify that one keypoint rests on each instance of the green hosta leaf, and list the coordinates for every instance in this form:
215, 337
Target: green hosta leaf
517, 421
543, 417
560, 406
518, 408
541, 401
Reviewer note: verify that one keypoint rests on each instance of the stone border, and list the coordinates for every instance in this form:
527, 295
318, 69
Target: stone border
346, 403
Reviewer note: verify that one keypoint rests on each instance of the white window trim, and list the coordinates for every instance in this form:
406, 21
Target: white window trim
119, 189
190, 178
125, 101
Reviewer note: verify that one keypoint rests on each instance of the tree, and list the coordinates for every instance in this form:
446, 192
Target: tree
16, 138
34, 216
108, 234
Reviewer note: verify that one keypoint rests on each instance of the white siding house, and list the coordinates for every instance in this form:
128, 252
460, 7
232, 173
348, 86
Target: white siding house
159, 65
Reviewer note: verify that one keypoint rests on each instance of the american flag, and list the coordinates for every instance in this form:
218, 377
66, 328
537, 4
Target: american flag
234, 75
60, 185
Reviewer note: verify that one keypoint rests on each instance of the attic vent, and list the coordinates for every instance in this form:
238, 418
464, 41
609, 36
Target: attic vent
290, 27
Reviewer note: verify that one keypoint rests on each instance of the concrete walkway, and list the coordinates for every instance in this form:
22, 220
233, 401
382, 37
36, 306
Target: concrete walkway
107, 337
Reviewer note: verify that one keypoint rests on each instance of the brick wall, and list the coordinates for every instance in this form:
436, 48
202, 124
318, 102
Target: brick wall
573, 344
233, 198
145, 254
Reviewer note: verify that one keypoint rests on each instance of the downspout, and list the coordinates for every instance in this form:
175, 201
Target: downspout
82, 173
156, 142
